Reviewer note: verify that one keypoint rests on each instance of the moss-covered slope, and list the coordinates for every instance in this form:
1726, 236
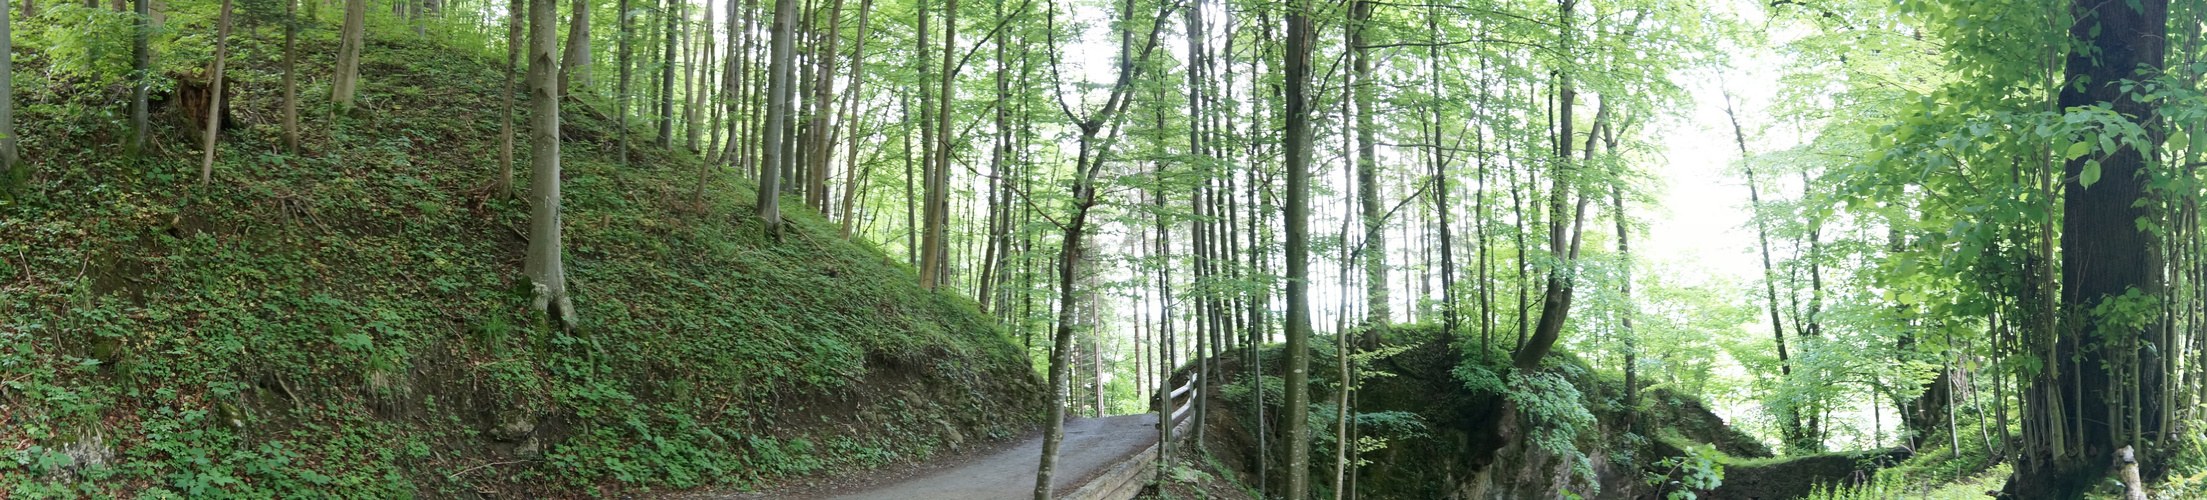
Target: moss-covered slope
350, 321
1445, 425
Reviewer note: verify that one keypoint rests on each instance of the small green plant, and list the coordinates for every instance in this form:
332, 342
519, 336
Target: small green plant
1701, 468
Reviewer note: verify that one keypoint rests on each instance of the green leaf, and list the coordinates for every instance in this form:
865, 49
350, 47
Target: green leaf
2091, 173
2077, 150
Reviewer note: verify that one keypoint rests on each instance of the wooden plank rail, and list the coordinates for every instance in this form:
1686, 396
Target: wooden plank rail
1127, 478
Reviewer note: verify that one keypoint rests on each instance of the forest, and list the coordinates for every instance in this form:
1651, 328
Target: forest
1553, 248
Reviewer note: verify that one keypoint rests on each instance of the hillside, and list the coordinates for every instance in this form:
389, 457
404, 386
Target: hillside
351, 320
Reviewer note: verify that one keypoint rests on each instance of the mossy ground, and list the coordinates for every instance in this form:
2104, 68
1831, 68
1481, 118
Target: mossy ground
351, 322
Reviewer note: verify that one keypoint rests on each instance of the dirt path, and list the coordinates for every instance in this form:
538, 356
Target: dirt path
1091, 446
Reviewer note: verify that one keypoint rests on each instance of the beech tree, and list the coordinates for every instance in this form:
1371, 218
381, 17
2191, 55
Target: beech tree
503, 186
214, 98
8, 153
544, 267
350, 39
291, 81
669, 13
141, 54
1297, 149
1099, 129
778, 103
574, 64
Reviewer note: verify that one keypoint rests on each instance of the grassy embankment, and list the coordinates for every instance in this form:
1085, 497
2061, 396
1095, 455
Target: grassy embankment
351, 320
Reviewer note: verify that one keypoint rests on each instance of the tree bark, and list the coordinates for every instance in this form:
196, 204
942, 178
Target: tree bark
1367, 175
693, 77
214, 99
9, 178
543, 265
777, 115
701, 81
1627, 309
1297, 142
670, 15
291, 78
1558, 294
574, 65
823, 128
1095, 145
850, 113
626, 60
353, 35
2104, 255
140, 56
504, 185
935, 208
1789, 420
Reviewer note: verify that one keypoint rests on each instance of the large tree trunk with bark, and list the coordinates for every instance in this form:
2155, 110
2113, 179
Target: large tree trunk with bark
2112, 379
670, 14
1367, 175
777, 115
214, 99
291, 77
350, 40
936, 207
1297, 142
503, 186
543, 266
574, 64
625, 58
1563, 246
858, 73
140, 56
8, 154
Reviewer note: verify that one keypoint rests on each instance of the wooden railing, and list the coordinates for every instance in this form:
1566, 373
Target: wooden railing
1184, 397
1125, 480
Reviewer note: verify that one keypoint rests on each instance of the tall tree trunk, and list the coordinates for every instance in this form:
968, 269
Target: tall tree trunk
777, 114
1627, 309
626, 60
291, 77
8, 153
140, 56
692, 74
1367, 175
1199, 232
543, 264
937, 204
1297, 143
2105, 255
1164, 323
701, 65
823, 128
999, 212
738, 88
1441, 180
504, 185
574, 64
1789, 420
214, 99
1558, 292
921, 255
715, 72
1095, 146
349, 45
850, 112
671, 14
